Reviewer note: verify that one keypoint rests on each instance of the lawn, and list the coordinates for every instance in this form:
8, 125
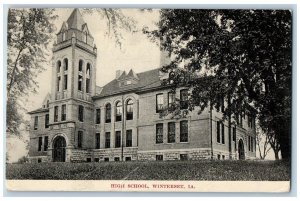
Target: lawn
210, 170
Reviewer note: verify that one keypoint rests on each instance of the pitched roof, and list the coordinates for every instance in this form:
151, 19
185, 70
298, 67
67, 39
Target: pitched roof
147, 80
75, 20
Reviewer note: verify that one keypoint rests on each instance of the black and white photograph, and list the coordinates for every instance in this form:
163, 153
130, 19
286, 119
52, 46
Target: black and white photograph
148, 99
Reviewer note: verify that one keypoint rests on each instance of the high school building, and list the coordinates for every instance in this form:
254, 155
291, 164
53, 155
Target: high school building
121, 121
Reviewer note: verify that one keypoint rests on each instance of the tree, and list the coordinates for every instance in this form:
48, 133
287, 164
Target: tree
242, 55
263, 144
29, 34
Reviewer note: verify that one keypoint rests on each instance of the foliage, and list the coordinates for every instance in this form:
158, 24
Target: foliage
263, 144
29, 34
211, 170
241, 55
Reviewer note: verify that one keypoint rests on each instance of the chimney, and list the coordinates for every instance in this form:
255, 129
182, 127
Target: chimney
119, 73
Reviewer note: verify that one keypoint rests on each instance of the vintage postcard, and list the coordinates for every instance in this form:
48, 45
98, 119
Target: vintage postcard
151, 100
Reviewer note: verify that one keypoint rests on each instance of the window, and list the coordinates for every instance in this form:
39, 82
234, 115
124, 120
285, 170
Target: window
80, 138
36, 122
65, 82
65, 64
56, 114
58, 65
80, 112
80, 64
97, 140
171, 99
184, 131
45, 143
117, 158
40, 144
87, 82
108, 113
79, 82
223, 157
159, 133
127, 158
171, 132
64, 36
119, 111
58, 83
183, 157
98, 116
220, 104
106, 159
107, 140
129, 110
47, 121
159, 102
219, 156
47, 104
96, 160
63, 112
234, 134
184, 99
223, 134
218, 132
88, 160
159, 157
118, 139
129, 138
39, 160
84, 37
250, 121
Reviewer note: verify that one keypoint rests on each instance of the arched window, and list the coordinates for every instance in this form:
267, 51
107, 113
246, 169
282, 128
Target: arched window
129, 110
64, 36
58, 65
108, 113
119, 111
88, 69
80, 65
65, 64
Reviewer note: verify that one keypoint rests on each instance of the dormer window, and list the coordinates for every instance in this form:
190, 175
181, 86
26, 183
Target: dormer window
85, 37
128, 82
64, 36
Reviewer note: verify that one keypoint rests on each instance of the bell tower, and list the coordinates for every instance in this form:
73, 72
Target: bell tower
73, 82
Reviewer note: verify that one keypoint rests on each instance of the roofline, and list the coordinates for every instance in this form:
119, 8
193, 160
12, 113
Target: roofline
41, 110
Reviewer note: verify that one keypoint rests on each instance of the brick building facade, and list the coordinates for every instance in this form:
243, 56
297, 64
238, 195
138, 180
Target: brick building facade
81, 122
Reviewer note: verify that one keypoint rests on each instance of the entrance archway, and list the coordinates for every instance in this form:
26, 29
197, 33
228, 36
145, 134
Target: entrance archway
59, 149
241, 150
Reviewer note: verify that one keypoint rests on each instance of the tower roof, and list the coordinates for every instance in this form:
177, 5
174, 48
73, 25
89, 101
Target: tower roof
75, 20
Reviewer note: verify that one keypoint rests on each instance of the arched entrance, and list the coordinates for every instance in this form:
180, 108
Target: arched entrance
241, 150
59, 149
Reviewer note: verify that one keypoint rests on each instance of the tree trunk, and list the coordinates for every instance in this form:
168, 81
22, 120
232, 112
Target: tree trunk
276, 154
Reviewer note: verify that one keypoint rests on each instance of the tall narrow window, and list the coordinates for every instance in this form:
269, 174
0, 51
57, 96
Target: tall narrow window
56, 114
159, 102
98, 113
129, 110
249, 143
159, 133
80, 139
118, 139
107, 140
119, 111
36, 122
80, 113
58, 65
218, 132
171, 132
66, 64
58, 83
63, 112
234, 134
171, 99
84, 37
46, 143
47, 121
108, 113
97, 140
184, 131
64, 35
40, 144
79, 82
87, 83
223, 134
129, 138
184, 99
65, 82
80, 64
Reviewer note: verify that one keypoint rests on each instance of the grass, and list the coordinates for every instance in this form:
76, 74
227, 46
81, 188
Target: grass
156, 170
